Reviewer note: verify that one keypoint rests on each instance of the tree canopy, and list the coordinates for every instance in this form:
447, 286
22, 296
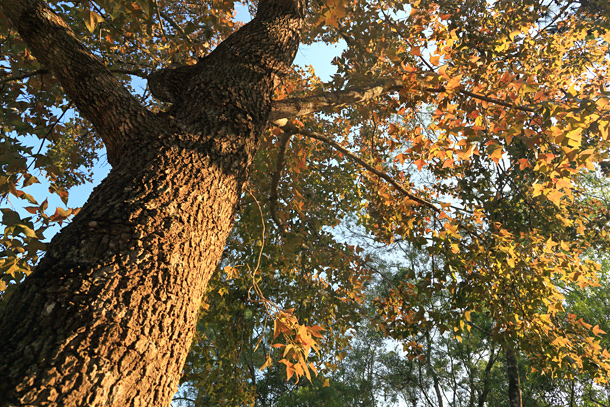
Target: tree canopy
469, 132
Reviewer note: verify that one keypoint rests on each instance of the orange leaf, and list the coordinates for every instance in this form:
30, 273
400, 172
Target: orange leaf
597, 330
289, 372
524, 163
268, 363
420, 164
315, 330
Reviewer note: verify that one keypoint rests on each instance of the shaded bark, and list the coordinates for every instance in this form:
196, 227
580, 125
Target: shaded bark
514, 380
108, 315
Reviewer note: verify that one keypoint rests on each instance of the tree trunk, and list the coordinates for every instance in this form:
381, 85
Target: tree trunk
486, 377
107, 317
514, 381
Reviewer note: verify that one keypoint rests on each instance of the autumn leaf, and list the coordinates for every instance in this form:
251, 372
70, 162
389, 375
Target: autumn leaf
92, 19
420, 164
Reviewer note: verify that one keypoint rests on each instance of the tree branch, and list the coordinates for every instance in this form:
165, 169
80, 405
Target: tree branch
478, 328
292, 129
487, 376
114, 112
24, 75
493, 100
295, 107
275, 181
174, 25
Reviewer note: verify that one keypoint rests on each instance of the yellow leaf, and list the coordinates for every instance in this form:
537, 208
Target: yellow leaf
452, 230
29, 232
326, 383
231, 272
502, 46
268, 363
574, 137
92, 19
555, 197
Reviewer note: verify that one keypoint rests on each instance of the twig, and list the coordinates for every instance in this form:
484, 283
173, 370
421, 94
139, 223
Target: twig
174, 25
46, 136
160, 19
255, 286
25, 75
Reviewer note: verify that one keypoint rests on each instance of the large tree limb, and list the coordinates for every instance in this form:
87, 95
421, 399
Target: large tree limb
295, 107
86, 80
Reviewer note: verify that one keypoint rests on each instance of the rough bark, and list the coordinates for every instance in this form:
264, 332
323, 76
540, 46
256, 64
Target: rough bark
107, 317
514, 380
295, 107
